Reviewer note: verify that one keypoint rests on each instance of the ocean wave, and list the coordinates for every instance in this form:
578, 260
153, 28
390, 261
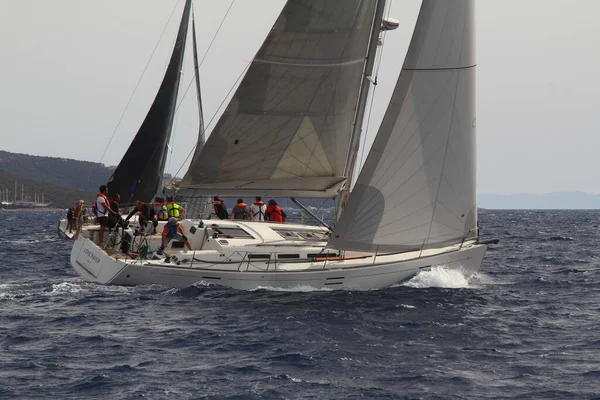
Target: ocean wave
522, 327
440, 277
560, 238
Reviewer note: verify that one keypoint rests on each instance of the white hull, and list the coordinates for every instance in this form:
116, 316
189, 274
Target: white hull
233, 268
63, 229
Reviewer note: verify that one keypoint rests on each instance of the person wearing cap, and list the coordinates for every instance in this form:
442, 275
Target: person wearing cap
173, 230
220, 208
274, 213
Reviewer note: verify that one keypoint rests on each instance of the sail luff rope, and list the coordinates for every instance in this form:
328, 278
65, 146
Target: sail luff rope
138, 83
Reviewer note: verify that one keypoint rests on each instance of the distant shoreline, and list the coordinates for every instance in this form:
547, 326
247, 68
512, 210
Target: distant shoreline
33, 209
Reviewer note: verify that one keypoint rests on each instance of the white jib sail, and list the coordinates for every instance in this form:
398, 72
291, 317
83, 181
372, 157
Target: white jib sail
417, 187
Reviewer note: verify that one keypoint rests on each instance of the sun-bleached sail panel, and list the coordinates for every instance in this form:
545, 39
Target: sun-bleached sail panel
287, 129
417, 187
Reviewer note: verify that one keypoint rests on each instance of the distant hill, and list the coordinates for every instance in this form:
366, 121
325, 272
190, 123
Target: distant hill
81, 175
64, 181
56, 195
549, 201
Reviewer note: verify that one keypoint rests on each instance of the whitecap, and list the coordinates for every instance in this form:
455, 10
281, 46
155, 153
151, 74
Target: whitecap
439, 276
67, 287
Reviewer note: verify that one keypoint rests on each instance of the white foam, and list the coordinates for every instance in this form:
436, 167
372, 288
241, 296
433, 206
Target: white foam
299, 288
15, 290
66, 287
441, 277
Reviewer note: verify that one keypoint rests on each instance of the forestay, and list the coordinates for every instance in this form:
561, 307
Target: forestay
287, 129
417, 187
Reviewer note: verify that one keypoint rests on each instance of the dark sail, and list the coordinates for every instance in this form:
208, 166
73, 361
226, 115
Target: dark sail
140, 172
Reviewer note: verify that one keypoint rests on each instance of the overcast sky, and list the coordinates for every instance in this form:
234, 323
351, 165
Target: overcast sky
69, 67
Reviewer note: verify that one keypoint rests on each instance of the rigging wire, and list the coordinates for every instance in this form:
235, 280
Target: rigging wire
139, 81
379, 58
205, 54
192, 81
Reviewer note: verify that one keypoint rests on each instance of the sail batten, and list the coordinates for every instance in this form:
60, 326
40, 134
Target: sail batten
417, 187
311, 65
140, 172
289, 123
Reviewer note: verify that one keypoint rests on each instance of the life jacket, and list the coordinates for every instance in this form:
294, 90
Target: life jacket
162, 215
173, 209
240, 211
275, 213
170, 230
160, 211
260, 214
97, 210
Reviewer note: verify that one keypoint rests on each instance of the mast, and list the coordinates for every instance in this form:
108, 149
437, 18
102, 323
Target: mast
140, 172
361, 105
201, 132
199, 206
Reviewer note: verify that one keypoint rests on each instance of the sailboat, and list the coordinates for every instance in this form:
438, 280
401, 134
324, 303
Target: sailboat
293, 128
139, 174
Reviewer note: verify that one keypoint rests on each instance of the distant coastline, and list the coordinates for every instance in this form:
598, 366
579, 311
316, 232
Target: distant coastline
33, 209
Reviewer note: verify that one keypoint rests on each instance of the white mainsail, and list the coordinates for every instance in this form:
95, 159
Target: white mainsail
417, 187
288, 127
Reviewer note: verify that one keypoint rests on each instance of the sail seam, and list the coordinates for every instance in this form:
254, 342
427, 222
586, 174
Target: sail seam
440, 69
412, 134
329, 65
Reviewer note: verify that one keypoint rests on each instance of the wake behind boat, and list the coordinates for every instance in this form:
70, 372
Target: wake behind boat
303, 98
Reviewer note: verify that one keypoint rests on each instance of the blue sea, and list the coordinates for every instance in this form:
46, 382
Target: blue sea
526, 327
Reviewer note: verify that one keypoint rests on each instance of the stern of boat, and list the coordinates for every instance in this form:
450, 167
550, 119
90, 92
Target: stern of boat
92, 263
63, 229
